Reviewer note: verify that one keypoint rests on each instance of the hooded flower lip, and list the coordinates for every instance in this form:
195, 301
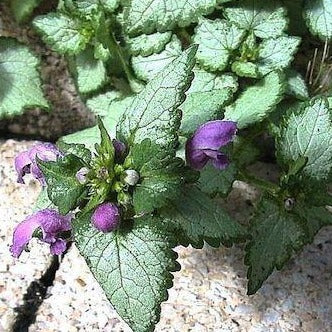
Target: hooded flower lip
106, 217
51, 223
25, 162
206, 142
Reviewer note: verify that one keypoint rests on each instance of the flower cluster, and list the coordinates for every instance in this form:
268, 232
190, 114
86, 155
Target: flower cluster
202, 147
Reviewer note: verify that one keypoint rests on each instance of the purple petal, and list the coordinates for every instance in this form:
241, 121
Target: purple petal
219, 159
37, 173
23, 234
22, 165
25, 162
197, 159
45, 152
213, 135
58, 247
106, 217
205, 143
51, 223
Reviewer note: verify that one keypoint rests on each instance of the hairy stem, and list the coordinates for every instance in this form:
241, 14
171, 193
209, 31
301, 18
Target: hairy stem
116, 49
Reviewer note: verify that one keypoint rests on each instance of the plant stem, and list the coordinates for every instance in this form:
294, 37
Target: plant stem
184, 36
264, 185
115, 48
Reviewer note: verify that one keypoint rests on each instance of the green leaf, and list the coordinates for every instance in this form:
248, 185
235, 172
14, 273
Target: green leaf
217, 39
201, 219
146, 16
265, 18
213, 181
316, 217
318, 194
22, 10
85, 9
90, 73
277, 53
276, 234
19, 79
63, 188
43, 202
147, 67
61, 32
78, 150
91, 8
111, 5
245, 152
101, 104
296, 85
146, 45
160, 176
97, 197
318, 15
153, 192
100, 52
106, 148
89, 137
111, 110
132, 265
306, 131
206, 97
110, 105
257, 101
153, 113
245, 69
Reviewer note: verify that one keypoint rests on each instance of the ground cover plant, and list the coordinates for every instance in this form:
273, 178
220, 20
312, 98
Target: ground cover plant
187, 95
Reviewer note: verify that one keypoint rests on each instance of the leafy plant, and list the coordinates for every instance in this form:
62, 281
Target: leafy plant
187, 95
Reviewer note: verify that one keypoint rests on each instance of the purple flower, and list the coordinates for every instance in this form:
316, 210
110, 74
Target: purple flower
106, 217
51, 223
25, 162
206, 142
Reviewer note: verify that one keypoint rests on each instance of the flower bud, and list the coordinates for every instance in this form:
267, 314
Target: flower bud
106, 217
124, 198
81, 175
131, 177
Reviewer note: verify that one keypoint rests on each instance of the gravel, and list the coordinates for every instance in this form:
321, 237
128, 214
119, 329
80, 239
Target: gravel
209, 293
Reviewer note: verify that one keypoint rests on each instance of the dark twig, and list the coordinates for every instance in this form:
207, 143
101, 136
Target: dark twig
33, 298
